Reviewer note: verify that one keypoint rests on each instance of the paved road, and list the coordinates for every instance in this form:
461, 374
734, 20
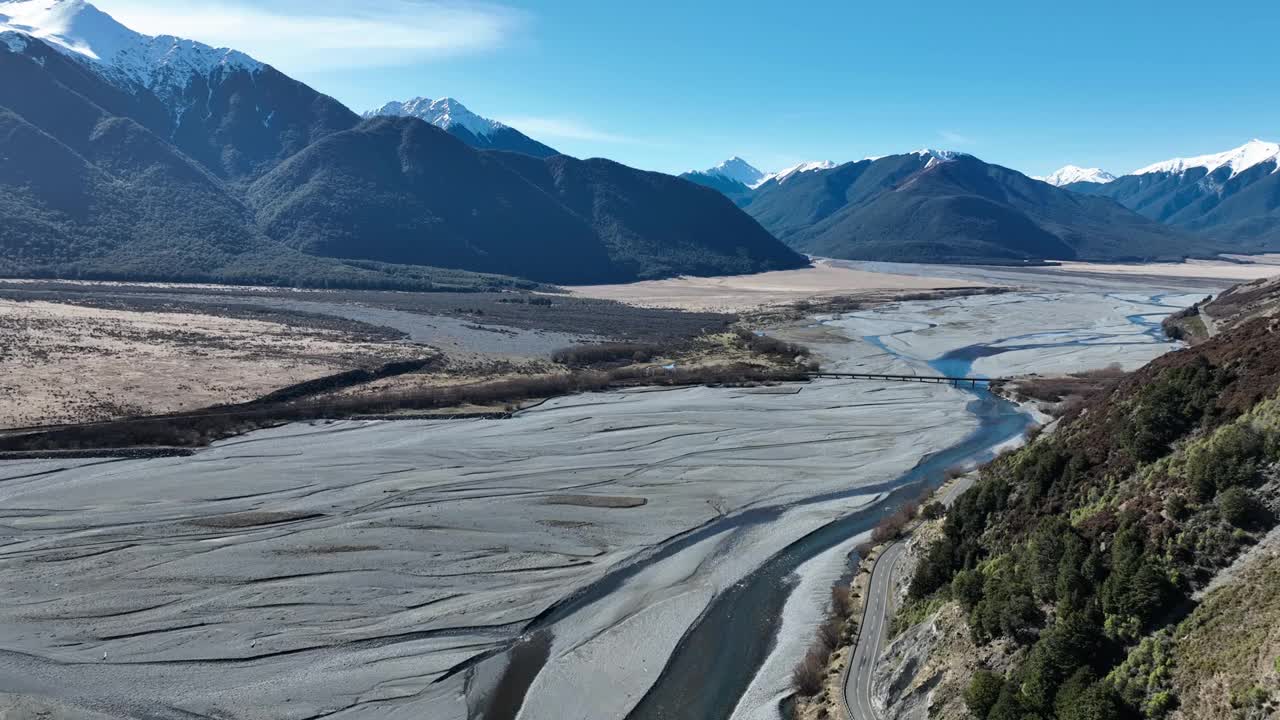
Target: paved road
875, 626
876, 616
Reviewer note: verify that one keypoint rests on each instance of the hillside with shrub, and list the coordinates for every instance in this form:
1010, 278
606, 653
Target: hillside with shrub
1091, 561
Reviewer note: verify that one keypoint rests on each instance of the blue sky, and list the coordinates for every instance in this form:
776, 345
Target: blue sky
670, 85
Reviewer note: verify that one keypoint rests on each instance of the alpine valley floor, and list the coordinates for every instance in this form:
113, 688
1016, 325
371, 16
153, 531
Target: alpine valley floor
544, 566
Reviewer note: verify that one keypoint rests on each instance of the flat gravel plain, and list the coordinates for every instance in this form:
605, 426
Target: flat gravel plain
379, 569
346, 567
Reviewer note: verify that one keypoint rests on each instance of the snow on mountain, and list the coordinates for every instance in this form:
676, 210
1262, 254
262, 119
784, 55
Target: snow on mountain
444, 113
163, 64
1254, 152
15, 41
738, 170
1072, 174
938, 156
785, 173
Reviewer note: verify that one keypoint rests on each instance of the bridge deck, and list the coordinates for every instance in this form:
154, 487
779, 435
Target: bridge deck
954, 380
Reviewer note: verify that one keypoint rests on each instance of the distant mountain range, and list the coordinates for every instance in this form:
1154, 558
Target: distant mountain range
133, 156
736, 176
1231, 197
126, 155
453, 117
944, 206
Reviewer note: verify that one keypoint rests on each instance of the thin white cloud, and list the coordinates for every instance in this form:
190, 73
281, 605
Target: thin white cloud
327, 34
553, 128
954, 138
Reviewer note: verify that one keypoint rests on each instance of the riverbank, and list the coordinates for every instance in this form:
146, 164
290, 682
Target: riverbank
844, 691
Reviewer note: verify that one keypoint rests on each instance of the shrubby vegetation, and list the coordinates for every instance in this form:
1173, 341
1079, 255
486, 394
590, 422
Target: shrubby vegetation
584, 355
808, 674
1081, 547
597, 354
202, 427
768, 345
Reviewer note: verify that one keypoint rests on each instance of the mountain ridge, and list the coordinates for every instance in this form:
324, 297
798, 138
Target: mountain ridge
942, 206
453, 117
1231, 197
212, 177
500, 211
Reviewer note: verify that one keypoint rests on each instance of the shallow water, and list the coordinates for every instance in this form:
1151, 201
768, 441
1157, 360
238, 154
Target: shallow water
426, 552
720, 655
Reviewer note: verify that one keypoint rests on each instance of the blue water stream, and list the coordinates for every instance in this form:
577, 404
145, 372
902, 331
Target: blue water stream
721, 653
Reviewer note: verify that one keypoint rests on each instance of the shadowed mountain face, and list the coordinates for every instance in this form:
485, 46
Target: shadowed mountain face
262, 179
237, 123
1238, 209
88, 193
946, 207
86, 190
400, 190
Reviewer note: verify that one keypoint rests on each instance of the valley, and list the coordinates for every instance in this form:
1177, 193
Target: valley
324, 395
489, 563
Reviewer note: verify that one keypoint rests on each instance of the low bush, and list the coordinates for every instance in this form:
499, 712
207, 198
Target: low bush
841, 600
587, 355
807, 676
767, 345
1239, 507
983, 693
891, 527
829, 634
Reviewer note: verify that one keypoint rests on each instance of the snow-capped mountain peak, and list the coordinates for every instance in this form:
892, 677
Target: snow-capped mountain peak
444, 113
163, 63
1068, 174
804, 167
1254, 152
739, 170
939, 155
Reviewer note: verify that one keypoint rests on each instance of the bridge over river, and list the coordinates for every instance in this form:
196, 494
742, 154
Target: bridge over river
953, 380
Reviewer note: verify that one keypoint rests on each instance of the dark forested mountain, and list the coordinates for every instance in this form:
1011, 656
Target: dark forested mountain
478, 132
126, 155
236, 116
85, 192
933, 206
656, 225
397, 189
1232, 197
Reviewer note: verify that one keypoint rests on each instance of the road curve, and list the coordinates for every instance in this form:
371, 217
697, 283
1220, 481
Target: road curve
877, 613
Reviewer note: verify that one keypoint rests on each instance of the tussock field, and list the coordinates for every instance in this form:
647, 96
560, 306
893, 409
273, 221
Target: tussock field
66, 363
